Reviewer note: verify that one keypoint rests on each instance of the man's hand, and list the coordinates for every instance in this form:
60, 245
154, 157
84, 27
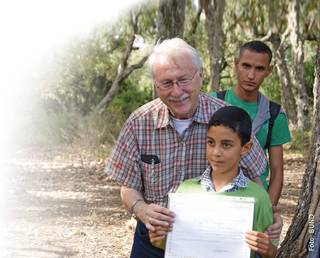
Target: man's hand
153, 216
159, 234
261, 243
274, 230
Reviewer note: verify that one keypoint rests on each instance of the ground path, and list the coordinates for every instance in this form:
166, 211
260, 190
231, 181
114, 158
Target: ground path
60, 206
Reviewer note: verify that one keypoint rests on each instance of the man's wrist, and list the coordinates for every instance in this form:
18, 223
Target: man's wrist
134, 204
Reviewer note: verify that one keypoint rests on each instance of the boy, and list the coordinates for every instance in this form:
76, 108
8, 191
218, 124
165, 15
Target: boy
228, 138
270, 124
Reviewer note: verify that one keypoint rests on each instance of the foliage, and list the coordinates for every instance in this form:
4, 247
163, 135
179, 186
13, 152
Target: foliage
78, 78
134, 93
49, 129
271, 87
83, 71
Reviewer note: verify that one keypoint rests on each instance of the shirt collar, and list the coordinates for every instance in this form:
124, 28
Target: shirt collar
202, 115
162, 118
240, 181
205, 180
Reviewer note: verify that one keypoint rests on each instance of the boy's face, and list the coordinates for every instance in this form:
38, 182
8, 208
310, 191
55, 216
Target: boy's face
224, 149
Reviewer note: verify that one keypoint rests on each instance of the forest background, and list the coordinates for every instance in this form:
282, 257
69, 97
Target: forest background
92, 84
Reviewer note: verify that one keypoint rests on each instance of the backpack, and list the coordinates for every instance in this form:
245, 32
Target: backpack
274, 110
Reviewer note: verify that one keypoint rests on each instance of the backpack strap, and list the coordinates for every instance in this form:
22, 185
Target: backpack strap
221, 94
274, 110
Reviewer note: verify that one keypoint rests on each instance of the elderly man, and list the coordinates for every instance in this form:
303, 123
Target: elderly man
163, 142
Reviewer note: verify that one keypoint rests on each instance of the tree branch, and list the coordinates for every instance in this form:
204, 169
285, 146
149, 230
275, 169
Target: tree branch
194, 25
133, 67
123, 70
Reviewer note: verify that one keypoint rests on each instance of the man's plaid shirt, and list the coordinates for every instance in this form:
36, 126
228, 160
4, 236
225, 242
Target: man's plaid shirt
152, 158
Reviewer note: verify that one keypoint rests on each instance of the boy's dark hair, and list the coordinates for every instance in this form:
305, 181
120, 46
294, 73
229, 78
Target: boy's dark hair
256, 46
234, 118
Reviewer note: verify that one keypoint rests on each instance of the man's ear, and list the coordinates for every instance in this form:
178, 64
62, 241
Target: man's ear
201, 73
236, 61
270, 69
246, 148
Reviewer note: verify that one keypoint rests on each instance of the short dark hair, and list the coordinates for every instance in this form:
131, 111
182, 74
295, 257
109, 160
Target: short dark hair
256, 46
234, 118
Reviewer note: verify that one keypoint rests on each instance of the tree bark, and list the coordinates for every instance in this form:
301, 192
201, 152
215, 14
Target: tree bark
297, 43
123, 69
277, 41
316, 88
171, 19
170, 22
190, 36
214, 19
287, 97
298, 241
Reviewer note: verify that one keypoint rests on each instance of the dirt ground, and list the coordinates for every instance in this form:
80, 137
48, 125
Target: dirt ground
58, 205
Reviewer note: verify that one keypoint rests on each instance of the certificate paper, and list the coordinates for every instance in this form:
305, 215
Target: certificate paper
207, 225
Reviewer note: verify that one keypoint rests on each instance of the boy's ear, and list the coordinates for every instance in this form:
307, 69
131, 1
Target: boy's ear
246, 148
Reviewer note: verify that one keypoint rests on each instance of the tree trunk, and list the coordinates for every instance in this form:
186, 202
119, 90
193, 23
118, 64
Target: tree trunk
123, 69
297, 43
171, 19
170, 22
214, 19
316, 88
191, 35
299, 239
287, 97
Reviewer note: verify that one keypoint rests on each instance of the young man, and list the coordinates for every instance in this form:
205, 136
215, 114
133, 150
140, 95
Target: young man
252, 67
228, 139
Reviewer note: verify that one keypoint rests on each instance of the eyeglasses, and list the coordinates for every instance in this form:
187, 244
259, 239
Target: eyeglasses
168, 85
